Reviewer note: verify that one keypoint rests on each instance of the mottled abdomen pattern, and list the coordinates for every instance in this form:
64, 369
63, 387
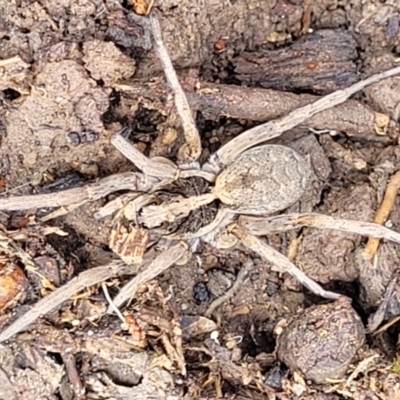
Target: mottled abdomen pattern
263, 180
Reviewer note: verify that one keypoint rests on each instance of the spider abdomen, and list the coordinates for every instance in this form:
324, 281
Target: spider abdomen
263, 180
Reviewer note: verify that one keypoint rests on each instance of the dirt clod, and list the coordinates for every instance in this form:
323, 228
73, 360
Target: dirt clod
104, 61
63, 99
322, 341
329, 255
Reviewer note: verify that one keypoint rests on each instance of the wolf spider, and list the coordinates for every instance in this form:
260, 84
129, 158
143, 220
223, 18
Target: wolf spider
226, 200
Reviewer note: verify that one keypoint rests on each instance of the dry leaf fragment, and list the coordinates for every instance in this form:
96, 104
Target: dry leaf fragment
129, 243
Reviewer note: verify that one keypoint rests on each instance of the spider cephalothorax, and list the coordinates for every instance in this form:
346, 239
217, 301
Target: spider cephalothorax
231, 195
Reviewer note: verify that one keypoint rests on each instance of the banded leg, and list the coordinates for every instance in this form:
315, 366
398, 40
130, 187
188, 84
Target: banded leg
229, 152
280, 261
148, 166
92, 191
158, 265
189, 127
260, 226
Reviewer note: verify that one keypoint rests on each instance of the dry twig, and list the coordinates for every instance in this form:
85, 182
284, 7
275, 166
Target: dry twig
73, 375
382, 214
214, 100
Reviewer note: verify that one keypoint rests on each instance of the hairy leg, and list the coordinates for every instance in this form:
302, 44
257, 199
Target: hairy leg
148, 166
227, 153
280, 261
189, 127
92, 191
56, 298
286, 222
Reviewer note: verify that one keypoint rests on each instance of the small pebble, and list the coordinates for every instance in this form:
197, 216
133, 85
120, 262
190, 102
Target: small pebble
272, 288
273, 377
74, 138
201, 293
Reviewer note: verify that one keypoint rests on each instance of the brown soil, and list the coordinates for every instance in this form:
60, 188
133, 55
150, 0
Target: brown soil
77, 72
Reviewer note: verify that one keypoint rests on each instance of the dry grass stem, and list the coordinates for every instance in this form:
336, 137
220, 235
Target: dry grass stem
383, 213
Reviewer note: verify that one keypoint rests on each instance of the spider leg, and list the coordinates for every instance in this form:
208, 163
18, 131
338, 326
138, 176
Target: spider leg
222, 219
150, 271
192, 136
55, 299
148, 166
282, 223
252, 137
115, 205
280, 261
153, 216
92, 191
92, 277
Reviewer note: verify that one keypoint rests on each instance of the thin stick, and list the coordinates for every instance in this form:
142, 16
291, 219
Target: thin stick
281, 262
282, 223
227, 153
160, 264
149, 7
386, 326
242, 275
148, 166
73, 375
240, 102
382, 214
56, 298
93, 191
189, 127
